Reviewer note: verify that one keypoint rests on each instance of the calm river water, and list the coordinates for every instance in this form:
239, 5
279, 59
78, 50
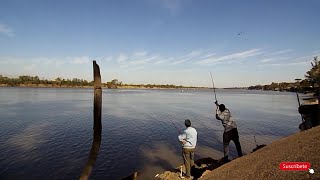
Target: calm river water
46, 133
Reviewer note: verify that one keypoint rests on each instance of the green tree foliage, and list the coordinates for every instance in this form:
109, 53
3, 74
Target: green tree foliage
313, 75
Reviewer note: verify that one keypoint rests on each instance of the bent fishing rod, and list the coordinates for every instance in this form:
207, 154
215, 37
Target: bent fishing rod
214, 90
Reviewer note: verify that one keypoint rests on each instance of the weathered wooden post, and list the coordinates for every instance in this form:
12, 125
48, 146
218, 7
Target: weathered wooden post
97, 126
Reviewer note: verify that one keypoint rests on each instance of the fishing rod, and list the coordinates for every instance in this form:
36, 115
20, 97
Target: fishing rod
257, 146
299, 105
214, 90
298, 81
175, 126
298, 99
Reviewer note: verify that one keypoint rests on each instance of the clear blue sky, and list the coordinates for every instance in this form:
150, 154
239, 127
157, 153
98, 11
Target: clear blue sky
161, 41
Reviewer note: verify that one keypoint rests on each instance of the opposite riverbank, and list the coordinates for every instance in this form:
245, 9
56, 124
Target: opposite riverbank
120, 87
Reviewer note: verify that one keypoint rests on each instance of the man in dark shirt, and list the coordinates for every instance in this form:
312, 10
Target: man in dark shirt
230, 130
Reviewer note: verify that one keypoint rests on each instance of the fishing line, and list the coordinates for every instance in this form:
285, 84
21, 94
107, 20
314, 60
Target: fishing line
175, 126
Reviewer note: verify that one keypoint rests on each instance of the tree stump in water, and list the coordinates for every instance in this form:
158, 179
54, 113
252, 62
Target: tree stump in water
97, 126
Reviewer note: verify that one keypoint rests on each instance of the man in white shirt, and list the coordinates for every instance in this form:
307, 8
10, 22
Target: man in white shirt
230, 130
188, 140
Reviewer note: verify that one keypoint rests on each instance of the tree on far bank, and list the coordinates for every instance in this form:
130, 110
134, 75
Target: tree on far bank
114, 84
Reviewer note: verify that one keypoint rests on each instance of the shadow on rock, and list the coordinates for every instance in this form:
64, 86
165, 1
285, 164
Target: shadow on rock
206, 164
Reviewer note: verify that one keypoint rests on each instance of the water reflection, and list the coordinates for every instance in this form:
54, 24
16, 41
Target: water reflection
158, 158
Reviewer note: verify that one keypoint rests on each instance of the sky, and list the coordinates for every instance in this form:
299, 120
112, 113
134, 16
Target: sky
241, 43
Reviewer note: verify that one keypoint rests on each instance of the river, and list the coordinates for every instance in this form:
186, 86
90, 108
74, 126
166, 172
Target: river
46, 133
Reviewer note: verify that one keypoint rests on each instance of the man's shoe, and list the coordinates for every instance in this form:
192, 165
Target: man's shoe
226, 159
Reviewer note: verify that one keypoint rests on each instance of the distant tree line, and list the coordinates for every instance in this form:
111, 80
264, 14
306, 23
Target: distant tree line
311, 83
161, 86
115, 83
35, 80
75, 82
302, 86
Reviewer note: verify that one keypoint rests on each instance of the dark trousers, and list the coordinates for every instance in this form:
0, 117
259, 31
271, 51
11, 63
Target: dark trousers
227, 137
188, 158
